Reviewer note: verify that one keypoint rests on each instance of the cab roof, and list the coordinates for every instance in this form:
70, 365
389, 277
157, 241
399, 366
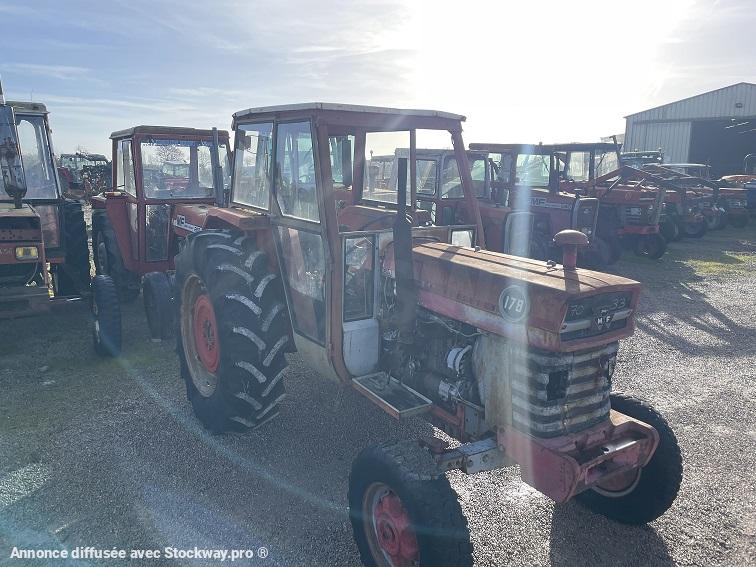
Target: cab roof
544, 148
169, 130
24, 106
338, 107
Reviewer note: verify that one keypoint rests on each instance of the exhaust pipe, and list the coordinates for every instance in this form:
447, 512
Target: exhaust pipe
2, 96
406, 291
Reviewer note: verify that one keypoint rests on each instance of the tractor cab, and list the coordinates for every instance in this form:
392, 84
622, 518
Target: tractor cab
154, 168
526, 178
83, 174
43, 251
42, 184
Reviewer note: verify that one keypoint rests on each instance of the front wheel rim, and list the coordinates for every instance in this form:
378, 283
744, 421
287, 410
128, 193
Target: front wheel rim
389, 529
620, 485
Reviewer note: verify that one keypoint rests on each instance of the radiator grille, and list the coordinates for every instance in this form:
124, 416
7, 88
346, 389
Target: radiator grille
556, 394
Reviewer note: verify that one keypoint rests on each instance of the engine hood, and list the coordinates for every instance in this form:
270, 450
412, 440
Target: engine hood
522, 299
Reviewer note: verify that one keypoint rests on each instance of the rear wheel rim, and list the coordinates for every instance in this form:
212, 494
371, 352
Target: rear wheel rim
389, 529
199, 336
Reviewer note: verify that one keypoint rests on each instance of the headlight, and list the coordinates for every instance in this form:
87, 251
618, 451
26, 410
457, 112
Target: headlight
24, 253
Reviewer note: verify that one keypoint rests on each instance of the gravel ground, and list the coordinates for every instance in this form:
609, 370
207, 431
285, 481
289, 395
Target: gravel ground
107, 454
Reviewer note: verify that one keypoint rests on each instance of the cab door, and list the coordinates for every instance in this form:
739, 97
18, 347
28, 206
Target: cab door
301, 239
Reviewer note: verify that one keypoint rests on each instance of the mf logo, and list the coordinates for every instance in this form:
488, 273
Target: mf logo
603, 319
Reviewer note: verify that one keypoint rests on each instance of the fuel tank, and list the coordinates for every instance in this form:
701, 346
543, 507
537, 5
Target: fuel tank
536, 303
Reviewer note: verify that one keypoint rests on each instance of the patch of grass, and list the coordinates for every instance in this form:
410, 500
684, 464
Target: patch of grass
726, 263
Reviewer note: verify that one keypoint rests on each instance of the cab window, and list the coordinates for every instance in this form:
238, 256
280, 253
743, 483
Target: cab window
125, 181
252, 161
295, 171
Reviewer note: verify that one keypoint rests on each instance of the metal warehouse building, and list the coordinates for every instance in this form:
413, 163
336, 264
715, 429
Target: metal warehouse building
717, 127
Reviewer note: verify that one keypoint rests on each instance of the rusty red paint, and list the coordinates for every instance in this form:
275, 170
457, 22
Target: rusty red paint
566, 465
205, 329
394, 531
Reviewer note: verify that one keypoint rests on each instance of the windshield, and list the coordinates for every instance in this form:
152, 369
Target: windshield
605, 162
180, 169
532, 170
451, 185
578, 166
39, 169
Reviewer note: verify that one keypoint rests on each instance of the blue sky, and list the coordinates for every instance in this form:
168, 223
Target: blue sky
520, 71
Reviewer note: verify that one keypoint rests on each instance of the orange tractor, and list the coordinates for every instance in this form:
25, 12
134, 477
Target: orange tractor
43, 238
320, 253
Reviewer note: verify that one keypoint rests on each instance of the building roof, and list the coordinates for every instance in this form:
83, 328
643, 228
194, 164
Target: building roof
734, 100
170, 130
331, 106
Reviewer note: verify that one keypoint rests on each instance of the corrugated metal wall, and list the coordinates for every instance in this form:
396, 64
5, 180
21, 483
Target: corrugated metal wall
715, 104
672, 137
669, 127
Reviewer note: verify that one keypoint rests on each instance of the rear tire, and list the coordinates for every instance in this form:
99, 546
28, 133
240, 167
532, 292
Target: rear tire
427, 519
108, 259
106, 315
233, 330
158, 305
656, 489
73, 276
652, 246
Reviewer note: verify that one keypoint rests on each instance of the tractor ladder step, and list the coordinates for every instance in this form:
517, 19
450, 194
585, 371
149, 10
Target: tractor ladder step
394, 397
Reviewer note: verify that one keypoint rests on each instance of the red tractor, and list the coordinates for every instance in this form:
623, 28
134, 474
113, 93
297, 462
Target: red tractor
686, 212
155, 169
512, 356
745, 181
726, 204
527, 178
43, 239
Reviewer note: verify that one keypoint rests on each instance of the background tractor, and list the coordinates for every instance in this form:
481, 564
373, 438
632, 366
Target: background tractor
155, 168
730, 202
526, 177
83, 174
43, 237
511, 356
746, 181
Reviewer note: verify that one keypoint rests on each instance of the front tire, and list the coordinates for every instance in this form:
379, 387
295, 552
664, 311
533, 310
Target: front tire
670, 230
404, 511
106, 315
233, 329
694, 230
651, 246
655, 488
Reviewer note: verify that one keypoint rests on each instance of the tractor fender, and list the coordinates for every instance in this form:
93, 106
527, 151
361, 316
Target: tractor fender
191, 218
